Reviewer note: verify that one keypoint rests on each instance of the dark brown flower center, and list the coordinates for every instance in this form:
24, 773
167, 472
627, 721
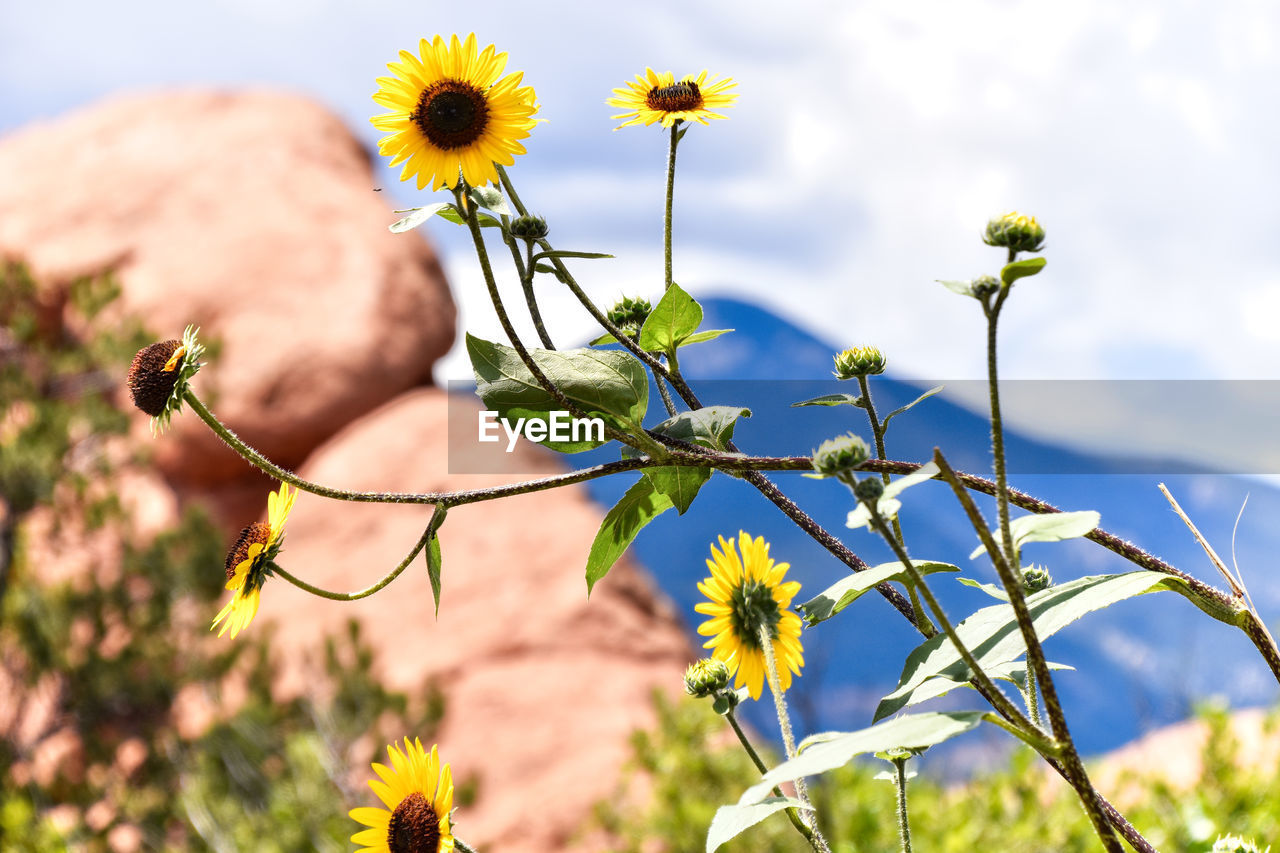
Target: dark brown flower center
451, 114
258, 533
414, 826
150, 384
684, 95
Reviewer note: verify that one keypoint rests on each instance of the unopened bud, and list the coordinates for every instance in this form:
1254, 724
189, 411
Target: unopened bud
839, 455
706, 677
1015, 231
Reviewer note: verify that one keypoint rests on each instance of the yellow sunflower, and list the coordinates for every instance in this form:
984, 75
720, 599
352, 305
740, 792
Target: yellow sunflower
248, 562
657, 96
745, 593
418, 795
451, 113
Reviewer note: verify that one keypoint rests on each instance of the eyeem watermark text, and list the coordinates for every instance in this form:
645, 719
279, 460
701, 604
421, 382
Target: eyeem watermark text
559, 426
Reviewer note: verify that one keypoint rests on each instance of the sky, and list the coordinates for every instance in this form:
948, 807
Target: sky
870, 144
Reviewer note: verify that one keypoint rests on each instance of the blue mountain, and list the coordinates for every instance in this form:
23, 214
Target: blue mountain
1139, 664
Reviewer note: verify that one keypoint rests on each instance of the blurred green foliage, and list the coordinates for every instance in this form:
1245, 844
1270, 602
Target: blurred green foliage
99, 660
690, 764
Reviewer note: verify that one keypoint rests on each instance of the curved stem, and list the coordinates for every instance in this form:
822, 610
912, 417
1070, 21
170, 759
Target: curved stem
671, 190
367, 591
793, 814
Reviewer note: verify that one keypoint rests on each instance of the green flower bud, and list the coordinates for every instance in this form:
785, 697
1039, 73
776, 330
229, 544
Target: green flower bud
629, 314
839, 455
985, 285
1036, 578
529, 227
1236, 844
869, 490
706, 677
1015, 231
859, 361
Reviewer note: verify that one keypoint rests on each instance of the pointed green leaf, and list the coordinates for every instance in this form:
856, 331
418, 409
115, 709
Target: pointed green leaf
1014, 672
451, 213
964, 288
606, 383
705, 335
992, 633
491, 198
639, 506
417, 216
833, 400
674, 318
731, 821
910, 731
840, 595
564, 253
884, 425
548, 269
1049, 527
1021, 269
991, 589
433, 552
678, 482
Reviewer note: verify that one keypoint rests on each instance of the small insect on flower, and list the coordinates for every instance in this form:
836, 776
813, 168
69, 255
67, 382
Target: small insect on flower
745, 595
453, 114
160, 375
658, 97
248, 563
418, 795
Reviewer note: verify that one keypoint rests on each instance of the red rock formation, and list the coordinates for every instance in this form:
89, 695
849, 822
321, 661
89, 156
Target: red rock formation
253, 216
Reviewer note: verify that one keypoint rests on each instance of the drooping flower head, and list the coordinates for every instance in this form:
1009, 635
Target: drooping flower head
160, 374
745, 592
453, 113
657, 97
249, 560
418, 795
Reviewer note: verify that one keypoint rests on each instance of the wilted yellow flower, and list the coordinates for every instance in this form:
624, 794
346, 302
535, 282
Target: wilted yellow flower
248, 563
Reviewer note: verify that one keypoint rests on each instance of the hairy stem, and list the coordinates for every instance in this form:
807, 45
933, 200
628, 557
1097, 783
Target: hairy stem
793, 814
765, 638
900, 781
671, 192
1009, 576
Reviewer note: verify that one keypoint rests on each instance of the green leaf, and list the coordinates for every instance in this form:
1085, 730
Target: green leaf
605, 383
433, 552
604, 339
884, 425
417, 216
710, 426
1021, 269
840, 595
681, 483
992, 633
888, 503
550, 270
731, 821
639, 506
705, 335
834, 400
835, 749
564, 253
991, 589
451, 213
1049, 527
1014, 672
674, 318
964, 288
490, 198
